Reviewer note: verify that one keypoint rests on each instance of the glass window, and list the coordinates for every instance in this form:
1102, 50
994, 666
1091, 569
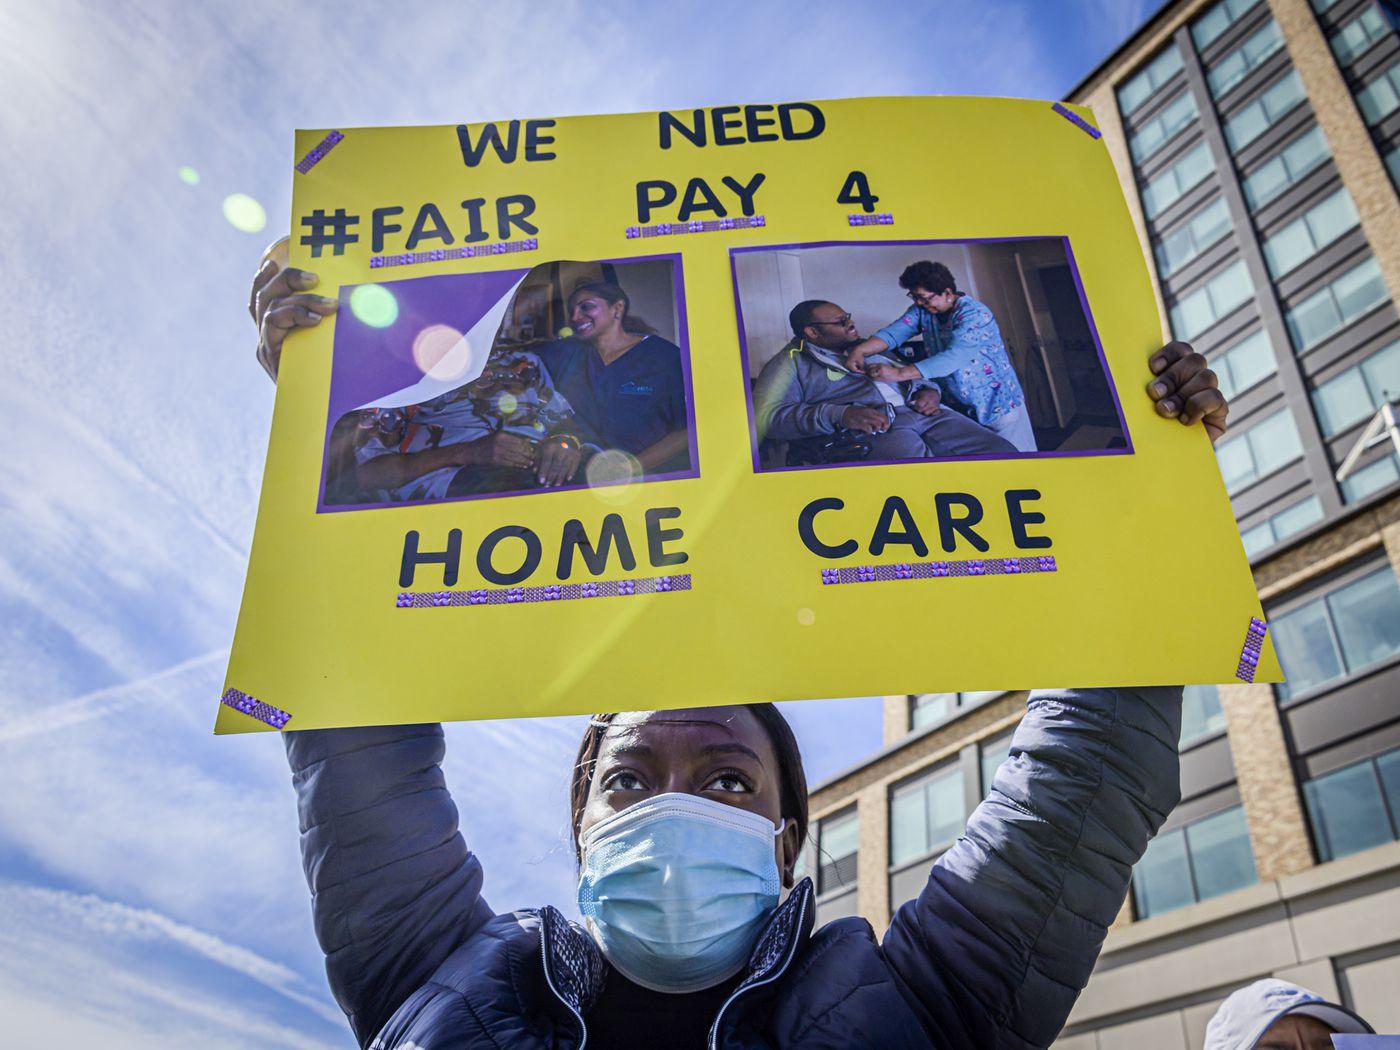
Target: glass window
1246, 363
993, 754
1317, 227
1207, 29
1354, 395
1294, 161
1343, 631
1252, 120
1371, 479
926, 814
1336, 305
1206, 228
1169, 186
1161, 129
837, 841
1392, 164
1200, 712
1201, 860
1356, 36
1198, 310
1144, 85
1380, 98
1321, 6
1288, 522
1237, 64
1259, 451
1355, 807
928, 708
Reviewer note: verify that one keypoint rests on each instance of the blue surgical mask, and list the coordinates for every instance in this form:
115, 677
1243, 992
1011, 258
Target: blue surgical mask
676, 889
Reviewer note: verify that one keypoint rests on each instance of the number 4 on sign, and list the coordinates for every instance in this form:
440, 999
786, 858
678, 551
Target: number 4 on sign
856, 190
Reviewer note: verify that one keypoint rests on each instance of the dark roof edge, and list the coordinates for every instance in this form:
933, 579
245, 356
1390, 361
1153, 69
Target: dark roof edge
1138, 34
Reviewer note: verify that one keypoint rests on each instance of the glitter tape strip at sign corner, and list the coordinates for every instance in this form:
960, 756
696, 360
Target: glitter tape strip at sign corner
668, 229
1253, 646
1078, 121
882, 218
929, 570
563, 592
241, 701
318, 151
467, 251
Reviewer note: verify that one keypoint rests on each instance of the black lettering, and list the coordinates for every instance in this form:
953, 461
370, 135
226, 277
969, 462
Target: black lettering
694, 133
533, 550
785, 112
699, 197
508, 215
657, 537
1020, 518
439, 231
808, 535
950, 526
646, 203
450, 558
380, 225
490, 136
908, 535
576, 537
473, 208
724, 119
746, 191
856, 190
534, 140
752, 122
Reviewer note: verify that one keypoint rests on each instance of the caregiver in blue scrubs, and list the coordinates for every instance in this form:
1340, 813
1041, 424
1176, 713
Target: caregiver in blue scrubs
625, 382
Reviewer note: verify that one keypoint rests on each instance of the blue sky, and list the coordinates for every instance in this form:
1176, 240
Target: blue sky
150, 889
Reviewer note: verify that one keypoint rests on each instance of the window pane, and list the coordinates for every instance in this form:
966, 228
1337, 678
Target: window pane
1357, 36
1254, 118
929, 708
1274, 442
908, 824
1366, 615
1380, 98
1206, 29
1259, 538
1342, 401
1200, 712
1288, 248
1251, 361
1382, 372
947, 811
1236, 462
1142, 87
993, 755
1296, 518
1206, 228
1235, 66
1161, 129
839, 835
1370, 479
1230, 289
1294, 161
1388, 766
1162, 878
1346, 811
1220, 853
1303, 640
1358, 290
1331, 218
1167, 188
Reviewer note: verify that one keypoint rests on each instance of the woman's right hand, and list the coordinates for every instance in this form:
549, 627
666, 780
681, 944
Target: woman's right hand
280, 301
500, 449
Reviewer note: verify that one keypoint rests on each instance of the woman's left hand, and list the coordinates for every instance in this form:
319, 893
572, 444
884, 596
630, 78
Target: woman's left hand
1186, 388
556, 461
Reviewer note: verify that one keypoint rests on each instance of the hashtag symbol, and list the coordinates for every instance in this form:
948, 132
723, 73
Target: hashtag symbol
329, 229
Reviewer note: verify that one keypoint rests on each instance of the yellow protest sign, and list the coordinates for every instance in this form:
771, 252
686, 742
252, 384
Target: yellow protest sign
749, 403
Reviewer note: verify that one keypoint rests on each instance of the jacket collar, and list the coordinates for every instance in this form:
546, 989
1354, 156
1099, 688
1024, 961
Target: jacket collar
577, 971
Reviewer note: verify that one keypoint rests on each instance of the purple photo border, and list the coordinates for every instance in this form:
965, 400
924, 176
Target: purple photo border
683, 340
994, 457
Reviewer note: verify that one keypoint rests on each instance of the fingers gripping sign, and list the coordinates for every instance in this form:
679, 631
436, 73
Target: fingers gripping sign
280, 302
1186, 389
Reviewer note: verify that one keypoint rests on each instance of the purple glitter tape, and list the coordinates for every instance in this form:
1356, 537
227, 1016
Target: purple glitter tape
882, 218
928, 570
562, 592
468, 251
241, 701
670, 229
318, 151
1078, 121
1253, 646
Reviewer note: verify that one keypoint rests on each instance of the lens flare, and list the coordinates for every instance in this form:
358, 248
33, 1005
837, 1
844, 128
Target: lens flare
806, 617
374, 305
506, 404
442, 352
611, 474
188, 175
243, 213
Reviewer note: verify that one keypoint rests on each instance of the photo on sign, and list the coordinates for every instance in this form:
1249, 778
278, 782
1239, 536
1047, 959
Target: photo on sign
910, 351
468, 386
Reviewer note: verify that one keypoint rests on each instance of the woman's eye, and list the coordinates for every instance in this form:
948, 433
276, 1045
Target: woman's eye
730, 782
624, 781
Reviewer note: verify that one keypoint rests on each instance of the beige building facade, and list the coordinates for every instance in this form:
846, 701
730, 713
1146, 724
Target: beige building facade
1258, 142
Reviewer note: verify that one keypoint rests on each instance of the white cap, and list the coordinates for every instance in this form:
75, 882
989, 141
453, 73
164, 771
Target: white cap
1246, 1015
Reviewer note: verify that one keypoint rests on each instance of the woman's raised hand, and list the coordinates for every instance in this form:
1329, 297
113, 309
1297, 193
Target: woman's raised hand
280, 301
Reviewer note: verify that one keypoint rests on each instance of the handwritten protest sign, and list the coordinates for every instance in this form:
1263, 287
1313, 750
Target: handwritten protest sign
584, 435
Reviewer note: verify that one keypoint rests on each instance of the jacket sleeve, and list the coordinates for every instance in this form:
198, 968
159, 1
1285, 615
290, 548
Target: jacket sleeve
997, 947
394, 889
781, 412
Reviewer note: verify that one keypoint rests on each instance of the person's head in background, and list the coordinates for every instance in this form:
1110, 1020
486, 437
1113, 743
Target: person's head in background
1276, 1015
930, 285
823, 324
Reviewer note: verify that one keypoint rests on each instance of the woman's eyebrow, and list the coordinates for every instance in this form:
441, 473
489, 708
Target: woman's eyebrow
732, 748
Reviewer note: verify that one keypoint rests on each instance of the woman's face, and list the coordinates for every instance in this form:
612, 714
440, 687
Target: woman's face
591, 316
719, 753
